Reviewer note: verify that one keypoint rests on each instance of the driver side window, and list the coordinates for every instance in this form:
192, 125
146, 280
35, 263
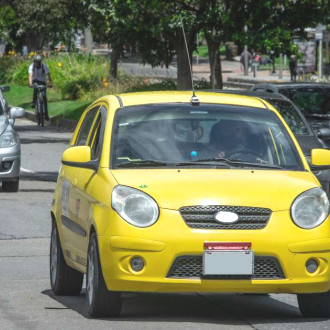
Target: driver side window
85, 128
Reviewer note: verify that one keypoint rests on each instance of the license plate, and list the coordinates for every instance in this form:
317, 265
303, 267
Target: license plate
228, 262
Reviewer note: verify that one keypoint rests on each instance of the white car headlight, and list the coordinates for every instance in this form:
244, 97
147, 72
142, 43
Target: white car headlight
7, 140
310, 208
134, 206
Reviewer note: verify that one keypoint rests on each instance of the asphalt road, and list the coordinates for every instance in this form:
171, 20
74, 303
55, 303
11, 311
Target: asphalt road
26, 301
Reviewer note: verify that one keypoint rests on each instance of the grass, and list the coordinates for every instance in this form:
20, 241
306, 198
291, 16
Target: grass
21, 96
203, 51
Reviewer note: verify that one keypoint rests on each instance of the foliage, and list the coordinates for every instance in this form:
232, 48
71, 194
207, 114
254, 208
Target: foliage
35, 22
7, 19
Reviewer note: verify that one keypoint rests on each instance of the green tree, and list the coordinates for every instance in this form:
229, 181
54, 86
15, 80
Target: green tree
34, 22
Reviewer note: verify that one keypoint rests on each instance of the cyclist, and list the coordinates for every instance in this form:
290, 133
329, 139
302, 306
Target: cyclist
38, 74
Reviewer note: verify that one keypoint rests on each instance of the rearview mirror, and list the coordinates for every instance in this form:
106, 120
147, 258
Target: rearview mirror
5, 88
323, 133
320, 159
79, 156
16, 112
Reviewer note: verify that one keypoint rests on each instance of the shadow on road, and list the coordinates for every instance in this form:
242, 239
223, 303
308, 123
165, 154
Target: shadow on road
40, 140
222, 309
39, 176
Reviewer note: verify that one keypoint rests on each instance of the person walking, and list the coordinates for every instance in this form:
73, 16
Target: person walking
293, 68
38, 74
249, 58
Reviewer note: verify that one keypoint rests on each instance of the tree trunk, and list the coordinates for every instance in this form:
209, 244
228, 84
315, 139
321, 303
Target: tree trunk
215, 62
184, 72
35, 41
115, 54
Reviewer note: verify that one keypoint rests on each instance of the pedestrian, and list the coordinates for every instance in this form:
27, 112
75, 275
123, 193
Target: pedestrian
293, 67
249, 58
38, 74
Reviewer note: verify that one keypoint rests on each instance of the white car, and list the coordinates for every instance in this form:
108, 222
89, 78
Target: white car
10, 148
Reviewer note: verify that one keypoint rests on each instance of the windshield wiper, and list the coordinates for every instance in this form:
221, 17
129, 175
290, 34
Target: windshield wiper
239, 163
144, 163
206, 162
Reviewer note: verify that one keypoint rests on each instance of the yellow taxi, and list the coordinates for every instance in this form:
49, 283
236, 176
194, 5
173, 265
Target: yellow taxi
169, 192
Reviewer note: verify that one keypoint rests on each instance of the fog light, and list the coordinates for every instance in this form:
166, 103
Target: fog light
137, 264
311, 265
6, 165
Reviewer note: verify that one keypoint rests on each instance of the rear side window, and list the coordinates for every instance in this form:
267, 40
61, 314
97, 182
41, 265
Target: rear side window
85, 127
290, 115
310, 100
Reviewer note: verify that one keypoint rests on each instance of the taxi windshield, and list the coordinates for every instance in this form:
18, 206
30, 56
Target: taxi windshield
173, 135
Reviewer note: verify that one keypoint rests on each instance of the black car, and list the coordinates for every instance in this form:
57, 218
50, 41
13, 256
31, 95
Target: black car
313, 99
299, 126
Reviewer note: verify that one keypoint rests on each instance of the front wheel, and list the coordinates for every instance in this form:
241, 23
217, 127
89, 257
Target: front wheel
41, 112
101, 302
64, 280
314, 304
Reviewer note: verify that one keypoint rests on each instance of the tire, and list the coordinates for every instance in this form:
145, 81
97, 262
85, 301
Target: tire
100, 301
64, 280
42, 112
314, 304
10, 186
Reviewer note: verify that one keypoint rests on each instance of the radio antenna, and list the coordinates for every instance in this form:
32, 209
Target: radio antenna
194, 99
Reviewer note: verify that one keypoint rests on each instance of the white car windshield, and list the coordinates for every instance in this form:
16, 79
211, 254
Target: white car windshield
206, 135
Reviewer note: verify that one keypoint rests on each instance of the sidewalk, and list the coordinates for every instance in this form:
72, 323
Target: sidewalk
232, 73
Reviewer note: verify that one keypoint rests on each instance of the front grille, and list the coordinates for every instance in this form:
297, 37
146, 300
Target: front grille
267, 268
203, 217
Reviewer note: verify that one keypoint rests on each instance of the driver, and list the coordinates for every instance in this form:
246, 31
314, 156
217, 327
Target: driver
227, 136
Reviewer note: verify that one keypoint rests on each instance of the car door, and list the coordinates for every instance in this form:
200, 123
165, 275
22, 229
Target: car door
74, 204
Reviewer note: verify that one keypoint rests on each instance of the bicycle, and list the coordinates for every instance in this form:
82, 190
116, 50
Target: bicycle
40, 105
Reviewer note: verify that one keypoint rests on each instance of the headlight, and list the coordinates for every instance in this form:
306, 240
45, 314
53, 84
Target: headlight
7, 140
310, 208
134, 206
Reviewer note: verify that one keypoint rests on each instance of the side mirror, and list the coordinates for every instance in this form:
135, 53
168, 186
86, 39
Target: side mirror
323, 133
320, 159
79, 156
5, 88
16, 112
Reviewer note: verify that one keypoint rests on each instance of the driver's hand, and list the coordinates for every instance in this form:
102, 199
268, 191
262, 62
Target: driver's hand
221, 154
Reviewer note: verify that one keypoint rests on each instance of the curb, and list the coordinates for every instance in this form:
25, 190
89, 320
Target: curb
54, 121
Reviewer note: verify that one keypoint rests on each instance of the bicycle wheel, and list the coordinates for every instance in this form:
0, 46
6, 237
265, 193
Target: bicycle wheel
42, 111
38, 112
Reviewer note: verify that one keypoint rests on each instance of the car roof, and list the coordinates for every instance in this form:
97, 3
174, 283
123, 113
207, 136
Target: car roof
143, 98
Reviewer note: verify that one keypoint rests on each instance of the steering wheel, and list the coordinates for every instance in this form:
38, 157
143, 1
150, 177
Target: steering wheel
237, 152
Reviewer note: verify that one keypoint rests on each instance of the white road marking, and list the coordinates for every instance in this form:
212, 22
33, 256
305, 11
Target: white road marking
26, 170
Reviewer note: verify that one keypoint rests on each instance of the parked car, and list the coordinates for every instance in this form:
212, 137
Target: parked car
159, 192
10, 149
313, 99
298, 124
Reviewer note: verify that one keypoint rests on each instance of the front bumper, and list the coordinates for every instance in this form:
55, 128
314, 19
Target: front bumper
12, 157
170, 238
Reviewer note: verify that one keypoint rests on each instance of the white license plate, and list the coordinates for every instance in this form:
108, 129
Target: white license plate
228, 262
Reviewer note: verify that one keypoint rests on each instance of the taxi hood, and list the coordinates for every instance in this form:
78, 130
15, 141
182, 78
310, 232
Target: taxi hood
172, 188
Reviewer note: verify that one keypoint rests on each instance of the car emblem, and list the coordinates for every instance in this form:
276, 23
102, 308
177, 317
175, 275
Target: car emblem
226, 217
